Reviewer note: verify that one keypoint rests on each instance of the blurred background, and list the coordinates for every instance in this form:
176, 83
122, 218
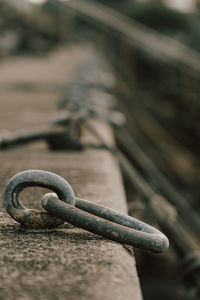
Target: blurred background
153, 49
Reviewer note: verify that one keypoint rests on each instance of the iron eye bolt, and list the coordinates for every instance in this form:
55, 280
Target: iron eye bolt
29, 217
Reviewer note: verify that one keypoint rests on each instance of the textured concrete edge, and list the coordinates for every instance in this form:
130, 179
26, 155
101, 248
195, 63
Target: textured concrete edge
102, 268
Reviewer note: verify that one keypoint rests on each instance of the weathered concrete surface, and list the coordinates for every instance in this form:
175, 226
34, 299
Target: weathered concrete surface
67, 262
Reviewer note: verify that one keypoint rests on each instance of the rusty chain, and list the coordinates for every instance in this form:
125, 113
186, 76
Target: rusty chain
62, 205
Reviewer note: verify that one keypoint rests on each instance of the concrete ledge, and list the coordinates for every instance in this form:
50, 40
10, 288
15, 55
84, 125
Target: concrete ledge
67, 262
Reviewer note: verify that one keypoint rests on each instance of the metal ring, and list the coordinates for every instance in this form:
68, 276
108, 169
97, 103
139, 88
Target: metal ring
29, 217
107, 223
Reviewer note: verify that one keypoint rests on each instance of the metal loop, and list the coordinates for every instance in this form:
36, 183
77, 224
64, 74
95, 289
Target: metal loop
35, 218
87, 215
107, 223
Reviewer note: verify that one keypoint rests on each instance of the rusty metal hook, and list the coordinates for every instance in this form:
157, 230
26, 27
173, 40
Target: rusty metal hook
29, 217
